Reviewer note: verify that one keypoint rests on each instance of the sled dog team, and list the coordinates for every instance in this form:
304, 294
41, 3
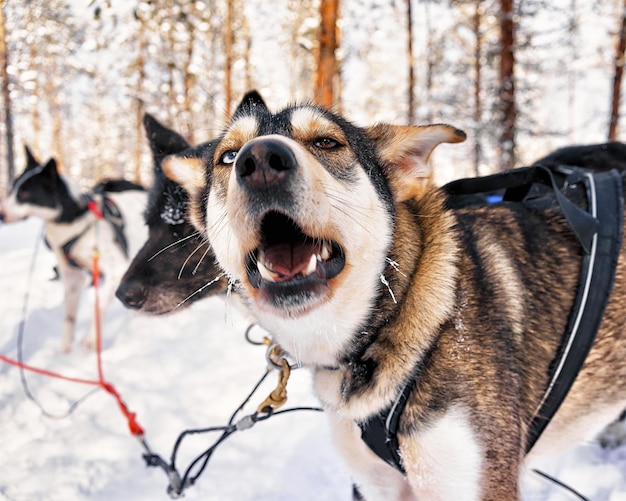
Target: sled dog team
431, 323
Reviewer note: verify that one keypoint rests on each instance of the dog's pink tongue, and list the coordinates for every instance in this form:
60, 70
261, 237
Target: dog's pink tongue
288, 260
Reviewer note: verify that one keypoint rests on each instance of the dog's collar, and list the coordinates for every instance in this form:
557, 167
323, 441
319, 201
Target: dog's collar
599, 235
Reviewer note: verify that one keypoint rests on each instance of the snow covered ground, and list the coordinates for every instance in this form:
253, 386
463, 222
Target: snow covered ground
188, 370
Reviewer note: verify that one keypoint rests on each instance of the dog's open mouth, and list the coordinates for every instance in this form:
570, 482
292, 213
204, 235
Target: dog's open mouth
290, 262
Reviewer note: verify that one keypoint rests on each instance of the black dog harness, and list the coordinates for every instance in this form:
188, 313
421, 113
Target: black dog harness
110, 213
599, 231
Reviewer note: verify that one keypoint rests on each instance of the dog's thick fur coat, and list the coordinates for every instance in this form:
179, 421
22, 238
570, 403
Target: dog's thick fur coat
371, 281
41, 191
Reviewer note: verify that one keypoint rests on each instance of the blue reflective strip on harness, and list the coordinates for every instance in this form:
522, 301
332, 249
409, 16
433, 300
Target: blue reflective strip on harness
599, 232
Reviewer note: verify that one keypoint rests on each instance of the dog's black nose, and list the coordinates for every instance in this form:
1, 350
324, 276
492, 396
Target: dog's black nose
132, 294
264, 163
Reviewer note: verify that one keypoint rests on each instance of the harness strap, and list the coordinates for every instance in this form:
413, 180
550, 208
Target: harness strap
595, 285
380, 431
517, 183
67, 249
599, 232
110, 213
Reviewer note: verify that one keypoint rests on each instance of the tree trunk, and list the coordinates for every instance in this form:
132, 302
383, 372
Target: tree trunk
620, 48
411, 64
430, 60
506, 94
573, 43
327, 61
247, 54
139, 90
36, 101
477, 28
8, 117
54, 104
189, 81
229, 40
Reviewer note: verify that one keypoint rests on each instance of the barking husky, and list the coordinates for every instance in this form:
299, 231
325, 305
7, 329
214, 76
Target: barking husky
176, 265
72, 230
397, 300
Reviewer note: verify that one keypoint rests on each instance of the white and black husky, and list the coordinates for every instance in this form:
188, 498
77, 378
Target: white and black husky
109, 219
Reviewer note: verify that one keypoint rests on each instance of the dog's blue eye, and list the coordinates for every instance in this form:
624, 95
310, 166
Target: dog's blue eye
229, 157
325, 143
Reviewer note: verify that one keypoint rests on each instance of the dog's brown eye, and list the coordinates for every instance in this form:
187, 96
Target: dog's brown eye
22, 195
325, 143
229, 157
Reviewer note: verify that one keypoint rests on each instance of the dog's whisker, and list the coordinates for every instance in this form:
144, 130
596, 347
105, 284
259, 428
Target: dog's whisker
358, 217
208, 249
208, 284
173, 244
182, 267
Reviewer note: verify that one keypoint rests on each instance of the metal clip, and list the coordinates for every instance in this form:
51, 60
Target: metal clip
279, 396
274, 355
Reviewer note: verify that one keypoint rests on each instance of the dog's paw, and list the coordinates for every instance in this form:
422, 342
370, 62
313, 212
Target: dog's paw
88, 343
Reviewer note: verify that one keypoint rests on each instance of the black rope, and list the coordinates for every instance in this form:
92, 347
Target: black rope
561, 484
20, 347
228, 430
249, 339
198, 465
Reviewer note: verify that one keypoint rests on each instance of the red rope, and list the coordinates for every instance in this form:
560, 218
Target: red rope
133, 426
45, 372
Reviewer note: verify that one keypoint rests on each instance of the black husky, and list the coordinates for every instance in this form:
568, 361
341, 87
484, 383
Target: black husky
176, 265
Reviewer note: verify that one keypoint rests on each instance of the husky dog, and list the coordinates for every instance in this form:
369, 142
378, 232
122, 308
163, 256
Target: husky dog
176, 265
74, 224
393, 298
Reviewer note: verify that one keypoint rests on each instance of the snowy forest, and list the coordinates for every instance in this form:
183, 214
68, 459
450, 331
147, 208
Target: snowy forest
521, 77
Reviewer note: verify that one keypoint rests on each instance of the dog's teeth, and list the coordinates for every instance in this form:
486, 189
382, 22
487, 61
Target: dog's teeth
325, 252
311, 267
266, 273
261, 259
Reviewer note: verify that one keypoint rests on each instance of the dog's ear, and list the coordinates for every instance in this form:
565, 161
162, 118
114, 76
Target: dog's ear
251, 101
31, 161
188, 171
163, 141
405, 152
50, 171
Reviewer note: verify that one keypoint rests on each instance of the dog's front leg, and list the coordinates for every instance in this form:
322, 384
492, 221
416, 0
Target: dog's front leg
73, 281
106, 292
374, 480
447, 459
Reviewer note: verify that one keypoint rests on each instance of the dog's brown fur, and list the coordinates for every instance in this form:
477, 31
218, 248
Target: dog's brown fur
474, 301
